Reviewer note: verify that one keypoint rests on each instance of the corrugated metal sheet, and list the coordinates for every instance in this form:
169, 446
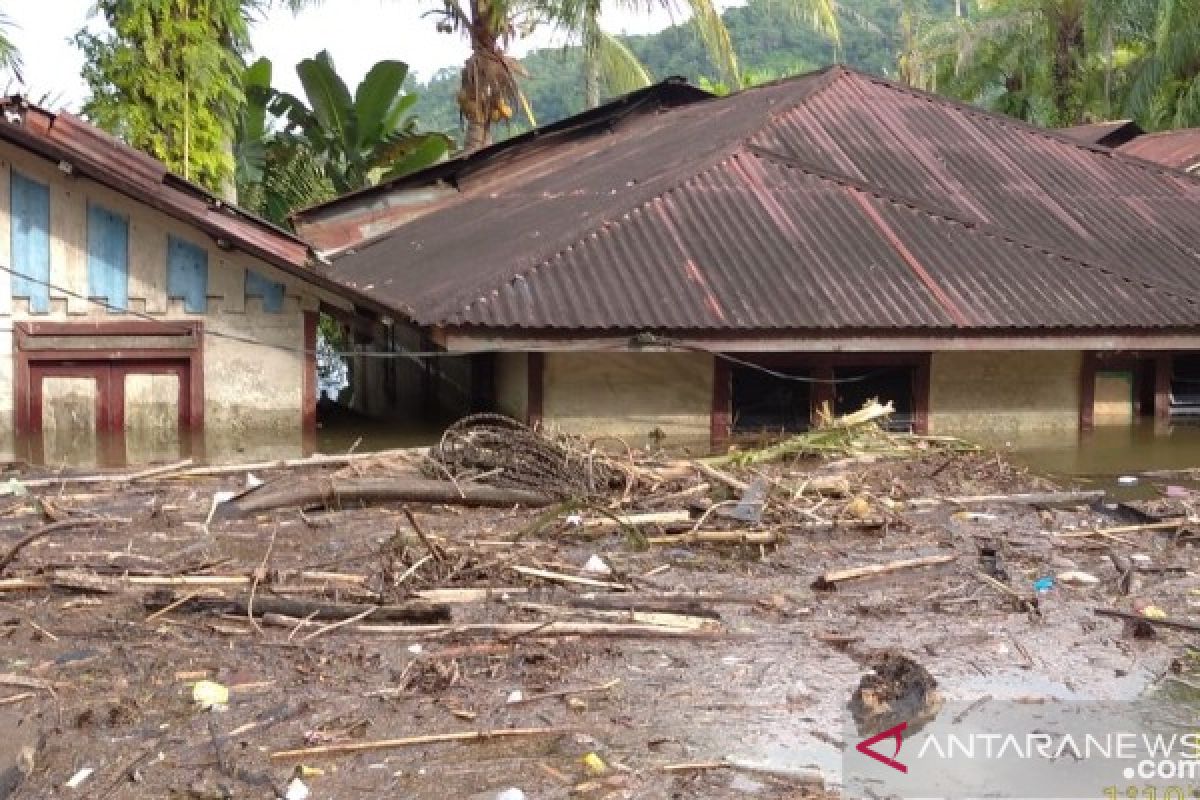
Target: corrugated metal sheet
753, 244
835, 200
1179, 149
1104, 134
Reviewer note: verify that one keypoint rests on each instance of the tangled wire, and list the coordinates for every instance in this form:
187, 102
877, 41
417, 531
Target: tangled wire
500, 451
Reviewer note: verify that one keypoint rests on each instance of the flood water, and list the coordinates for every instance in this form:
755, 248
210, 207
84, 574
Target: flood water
1096, 457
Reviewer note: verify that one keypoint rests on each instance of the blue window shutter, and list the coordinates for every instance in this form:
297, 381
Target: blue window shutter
30, 241
270, 292
108, 257
187, 274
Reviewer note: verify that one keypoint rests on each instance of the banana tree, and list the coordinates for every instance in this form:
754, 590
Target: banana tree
363, 138
276, 173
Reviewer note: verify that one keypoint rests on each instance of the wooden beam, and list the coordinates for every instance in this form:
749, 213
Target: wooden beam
1163, 366
1087, 392
309, 395
536, 375
721, 426
921, 378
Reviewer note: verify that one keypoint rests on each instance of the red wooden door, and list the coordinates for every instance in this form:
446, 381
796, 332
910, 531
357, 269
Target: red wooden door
80, 411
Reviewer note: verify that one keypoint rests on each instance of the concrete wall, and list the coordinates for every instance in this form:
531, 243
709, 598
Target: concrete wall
630, 395
246, 386
1004, 393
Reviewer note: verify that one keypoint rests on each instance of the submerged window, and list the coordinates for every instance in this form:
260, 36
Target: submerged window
30, 241
270, 291
187, 275
856, 386
108, 257
765, 402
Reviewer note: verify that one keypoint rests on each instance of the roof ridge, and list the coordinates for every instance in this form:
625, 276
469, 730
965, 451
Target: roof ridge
996, 117
992, 231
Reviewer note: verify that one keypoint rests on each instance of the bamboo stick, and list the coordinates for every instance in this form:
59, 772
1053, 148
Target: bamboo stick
1165, 525
534, 572
714, 474
316, 460
469, 595
115, 477
411, 741
533, 698
601, 525
837, 576
551, 628
665, 619
1164, 622
720, 537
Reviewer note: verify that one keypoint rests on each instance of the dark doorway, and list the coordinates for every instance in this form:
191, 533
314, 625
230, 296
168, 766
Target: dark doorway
856, 386
762, 402
1185, 386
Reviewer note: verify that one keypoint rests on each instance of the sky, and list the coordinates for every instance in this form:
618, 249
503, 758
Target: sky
357, 33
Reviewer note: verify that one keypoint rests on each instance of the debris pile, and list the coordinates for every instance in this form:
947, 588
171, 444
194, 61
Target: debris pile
614, 624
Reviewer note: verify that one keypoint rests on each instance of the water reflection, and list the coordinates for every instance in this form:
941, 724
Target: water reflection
1103, 453
1106, 452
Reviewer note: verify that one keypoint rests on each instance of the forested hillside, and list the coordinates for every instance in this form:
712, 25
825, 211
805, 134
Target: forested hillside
768, 41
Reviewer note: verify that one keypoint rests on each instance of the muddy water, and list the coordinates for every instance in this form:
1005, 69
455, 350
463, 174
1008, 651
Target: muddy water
1107, 452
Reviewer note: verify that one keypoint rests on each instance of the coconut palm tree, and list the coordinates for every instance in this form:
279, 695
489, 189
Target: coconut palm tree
1047, 61
10, 57
1165, 90
606, 59
490, 89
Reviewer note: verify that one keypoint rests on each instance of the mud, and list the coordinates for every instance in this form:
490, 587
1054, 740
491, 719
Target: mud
769, 692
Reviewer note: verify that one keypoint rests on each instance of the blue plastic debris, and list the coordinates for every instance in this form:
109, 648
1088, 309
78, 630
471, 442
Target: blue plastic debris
1042, 585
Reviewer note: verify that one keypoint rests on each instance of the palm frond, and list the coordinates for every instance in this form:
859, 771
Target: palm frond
619, 67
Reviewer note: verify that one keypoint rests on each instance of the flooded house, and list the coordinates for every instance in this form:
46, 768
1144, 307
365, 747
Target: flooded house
696, 266
145, 318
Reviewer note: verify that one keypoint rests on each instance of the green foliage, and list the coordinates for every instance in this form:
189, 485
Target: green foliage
164, 77
357, 139
275, 174
10, 57
1165, 62
770, 38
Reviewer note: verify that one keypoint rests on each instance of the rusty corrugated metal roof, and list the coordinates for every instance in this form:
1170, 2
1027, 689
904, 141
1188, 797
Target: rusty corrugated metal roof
831, 201
1179, 149
1105, 134
93, 153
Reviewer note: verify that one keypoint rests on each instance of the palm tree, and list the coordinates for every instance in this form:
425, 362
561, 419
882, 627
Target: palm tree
606, 59
1165, 90
10, 56
489, 89
1042, 60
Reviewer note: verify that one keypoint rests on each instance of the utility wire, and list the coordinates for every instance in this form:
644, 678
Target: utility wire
644, 339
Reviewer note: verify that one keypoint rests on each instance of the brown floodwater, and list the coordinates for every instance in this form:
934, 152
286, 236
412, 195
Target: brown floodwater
1098, 457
